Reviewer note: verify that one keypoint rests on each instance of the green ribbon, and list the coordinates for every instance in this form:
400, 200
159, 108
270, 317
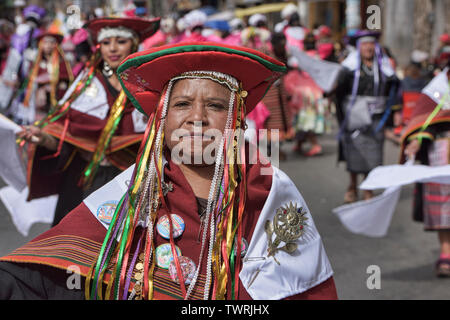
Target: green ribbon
103, 249
232, 267
131, 204
123, 242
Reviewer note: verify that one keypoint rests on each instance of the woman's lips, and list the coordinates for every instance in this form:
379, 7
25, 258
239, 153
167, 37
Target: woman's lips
197, 135
114, 58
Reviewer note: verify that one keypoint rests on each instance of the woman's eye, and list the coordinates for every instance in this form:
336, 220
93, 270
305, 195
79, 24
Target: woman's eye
217, 106
181, 104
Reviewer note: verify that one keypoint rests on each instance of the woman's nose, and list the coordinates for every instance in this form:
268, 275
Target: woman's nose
198, 114
112, 46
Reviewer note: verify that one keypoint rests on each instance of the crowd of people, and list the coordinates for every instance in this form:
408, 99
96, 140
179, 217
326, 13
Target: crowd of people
99, 104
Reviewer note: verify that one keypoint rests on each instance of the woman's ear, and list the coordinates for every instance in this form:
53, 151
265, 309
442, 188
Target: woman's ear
135, 46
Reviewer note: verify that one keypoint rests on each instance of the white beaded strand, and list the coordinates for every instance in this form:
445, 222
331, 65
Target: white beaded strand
232, 84
213, 225
210, 210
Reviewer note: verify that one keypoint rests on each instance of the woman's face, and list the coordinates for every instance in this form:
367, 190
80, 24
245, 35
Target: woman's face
48, 45
367, 50
196, 118
115, 49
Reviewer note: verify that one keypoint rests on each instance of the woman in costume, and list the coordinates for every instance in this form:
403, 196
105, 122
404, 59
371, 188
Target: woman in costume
427, 139
236, 27
325, 44
82, 51
238, 228
307, 99
294, 31
165, 34
365, 91
93, 133
193, 23
256, 35
46, 82
21, 53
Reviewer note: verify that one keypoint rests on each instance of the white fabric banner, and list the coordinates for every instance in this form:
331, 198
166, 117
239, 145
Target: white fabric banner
26, 213
306, 267
398, 175
373, 217
12, 169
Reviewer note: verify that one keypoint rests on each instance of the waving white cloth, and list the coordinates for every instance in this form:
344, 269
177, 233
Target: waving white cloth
26, 213
324, 73
373, 217
12, 170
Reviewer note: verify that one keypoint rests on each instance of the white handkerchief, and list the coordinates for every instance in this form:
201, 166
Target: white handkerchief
12, 169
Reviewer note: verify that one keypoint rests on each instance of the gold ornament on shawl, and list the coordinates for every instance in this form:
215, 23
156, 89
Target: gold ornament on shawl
288, 226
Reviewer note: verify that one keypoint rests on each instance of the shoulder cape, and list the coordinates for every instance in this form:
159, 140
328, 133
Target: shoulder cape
87, 117
78, 239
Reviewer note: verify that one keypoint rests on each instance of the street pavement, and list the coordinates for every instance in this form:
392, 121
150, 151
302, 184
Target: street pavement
405, 256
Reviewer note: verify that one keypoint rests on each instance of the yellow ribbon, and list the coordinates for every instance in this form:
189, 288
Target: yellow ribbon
99, 153
233, 155
145, 156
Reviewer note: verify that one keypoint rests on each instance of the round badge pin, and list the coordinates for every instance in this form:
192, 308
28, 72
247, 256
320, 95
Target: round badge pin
164, 255
244, 247
105, 211
163, 226
187, 268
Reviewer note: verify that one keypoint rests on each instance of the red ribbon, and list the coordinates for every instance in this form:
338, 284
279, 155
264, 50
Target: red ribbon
61, 141
175, 258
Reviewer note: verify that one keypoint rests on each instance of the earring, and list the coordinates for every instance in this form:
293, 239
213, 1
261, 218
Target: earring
107, 70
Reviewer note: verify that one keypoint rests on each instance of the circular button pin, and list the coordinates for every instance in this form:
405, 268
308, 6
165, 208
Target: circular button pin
164, 255
105, 211
139, 266
163, 226
244, 247
138, 276
187, 268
